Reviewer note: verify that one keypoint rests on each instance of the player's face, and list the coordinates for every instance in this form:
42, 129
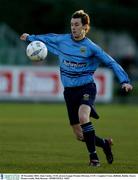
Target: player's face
77, 28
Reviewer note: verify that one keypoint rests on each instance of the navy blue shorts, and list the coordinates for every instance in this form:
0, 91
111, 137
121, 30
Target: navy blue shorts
75, 96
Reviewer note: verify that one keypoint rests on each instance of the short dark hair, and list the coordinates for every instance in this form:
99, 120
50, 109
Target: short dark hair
85, 19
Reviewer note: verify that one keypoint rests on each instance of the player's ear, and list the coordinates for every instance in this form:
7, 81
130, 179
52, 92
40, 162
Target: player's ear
86, 28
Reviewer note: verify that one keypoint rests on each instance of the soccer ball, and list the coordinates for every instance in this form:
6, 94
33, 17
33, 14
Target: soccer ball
36, 51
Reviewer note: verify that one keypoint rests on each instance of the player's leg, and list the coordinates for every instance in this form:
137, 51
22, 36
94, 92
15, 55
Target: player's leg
77, 130
87, 98
103, 143
88, 133
73, 101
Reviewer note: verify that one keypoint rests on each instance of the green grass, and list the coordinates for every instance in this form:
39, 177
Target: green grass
37, 138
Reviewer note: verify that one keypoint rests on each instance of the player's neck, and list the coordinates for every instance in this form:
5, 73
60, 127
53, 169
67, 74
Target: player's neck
79, 38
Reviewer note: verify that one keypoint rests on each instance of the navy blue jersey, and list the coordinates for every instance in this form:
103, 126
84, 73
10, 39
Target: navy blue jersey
78, 59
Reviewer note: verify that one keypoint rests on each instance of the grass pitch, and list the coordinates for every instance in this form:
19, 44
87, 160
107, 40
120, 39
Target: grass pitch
37, 138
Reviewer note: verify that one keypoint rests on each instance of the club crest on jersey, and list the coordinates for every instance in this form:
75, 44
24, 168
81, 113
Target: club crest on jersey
83, 49
86, 97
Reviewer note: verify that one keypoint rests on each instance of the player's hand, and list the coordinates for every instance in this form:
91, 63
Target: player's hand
128, 87
24, 36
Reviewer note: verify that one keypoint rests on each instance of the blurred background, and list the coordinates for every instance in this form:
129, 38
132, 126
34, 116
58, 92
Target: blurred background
114, 27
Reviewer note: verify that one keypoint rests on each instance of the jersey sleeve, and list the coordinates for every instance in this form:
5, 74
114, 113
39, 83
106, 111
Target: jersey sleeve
51, 41
111, 63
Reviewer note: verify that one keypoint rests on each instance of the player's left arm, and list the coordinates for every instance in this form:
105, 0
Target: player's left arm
118, 70
127, 86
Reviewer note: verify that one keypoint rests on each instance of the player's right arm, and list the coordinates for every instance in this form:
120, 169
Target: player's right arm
51, 40
24, 36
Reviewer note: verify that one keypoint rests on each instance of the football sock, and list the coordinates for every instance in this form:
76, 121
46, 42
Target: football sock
99, 142
89, 137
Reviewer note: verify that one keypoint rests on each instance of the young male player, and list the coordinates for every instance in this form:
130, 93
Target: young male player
79, 58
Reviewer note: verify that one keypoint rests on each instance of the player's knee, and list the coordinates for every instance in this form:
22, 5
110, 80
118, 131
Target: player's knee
84, 112
83, 118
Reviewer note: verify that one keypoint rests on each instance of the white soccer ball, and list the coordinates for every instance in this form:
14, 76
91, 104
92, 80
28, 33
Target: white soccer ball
36, 51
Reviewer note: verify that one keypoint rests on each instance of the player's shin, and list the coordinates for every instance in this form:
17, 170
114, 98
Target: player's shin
89, 138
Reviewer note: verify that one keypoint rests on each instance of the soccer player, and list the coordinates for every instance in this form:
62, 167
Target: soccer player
79, 58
